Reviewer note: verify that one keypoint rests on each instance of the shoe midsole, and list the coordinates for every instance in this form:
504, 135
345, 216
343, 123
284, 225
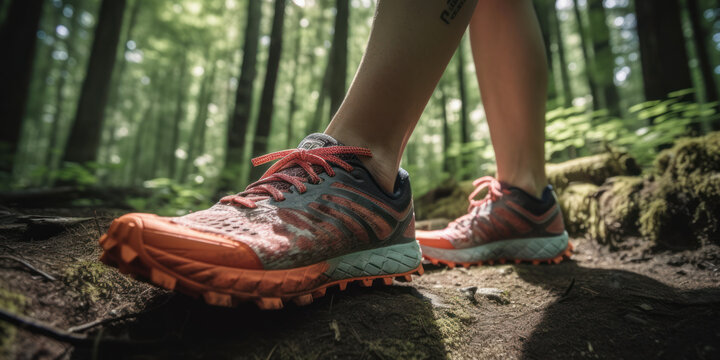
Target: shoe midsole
537, 248
387, 260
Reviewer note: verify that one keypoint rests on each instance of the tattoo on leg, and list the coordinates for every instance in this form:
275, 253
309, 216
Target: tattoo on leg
452, 9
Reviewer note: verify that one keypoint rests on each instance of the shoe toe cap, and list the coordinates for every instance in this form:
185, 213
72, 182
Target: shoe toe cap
433, 238
166, 241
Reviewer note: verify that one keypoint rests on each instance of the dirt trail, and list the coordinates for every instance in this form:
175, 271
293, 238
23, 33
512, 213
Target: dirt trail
629, 303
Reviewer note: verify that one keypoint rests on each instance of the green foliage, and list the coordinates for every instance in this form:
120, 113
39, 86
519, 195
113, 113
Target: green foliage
171, 198
652, 125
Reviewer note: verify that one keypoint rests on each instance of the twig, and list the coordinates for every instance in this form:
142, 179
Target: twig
104, 321
97, 224
52, 332
272, 351
567, 291
29, 266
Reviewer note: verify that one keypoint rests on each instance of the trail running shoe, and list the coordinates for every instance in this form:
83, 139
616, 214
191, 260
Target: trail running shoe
316, 218
507, 225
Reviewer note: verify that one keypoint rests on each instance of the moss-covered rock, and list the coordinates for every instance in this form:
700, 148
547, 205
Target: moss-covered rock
618, 204
591, 169
681, 205
579, 207
90, 279
12, 302
447, 201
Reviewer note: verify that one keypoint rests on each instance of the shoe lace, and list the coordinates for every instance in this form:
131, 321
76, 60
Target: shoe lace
265, 188
485, 182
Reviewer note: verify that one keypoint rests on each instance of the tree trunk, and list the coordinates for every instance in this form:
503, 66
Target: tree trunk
179, 115
117, 80
447, 137
292, 107
701, 51
543, 13
262, 131
662, 48
339, 55
604, 62
464, 121
586, 56
564, 75
84, 140
243, 99
17, 39
199, 126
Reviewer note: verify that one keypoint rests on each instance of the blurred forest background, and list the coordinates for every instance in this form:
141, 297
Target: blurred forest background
177, 96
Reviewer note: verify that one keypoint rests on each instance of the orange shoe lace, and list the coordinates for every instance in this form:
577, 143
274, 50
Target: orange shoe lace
485, 182
264, 189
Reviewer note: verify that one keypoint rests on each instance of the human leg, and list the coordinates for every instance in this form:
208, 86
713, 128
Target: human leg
410, 45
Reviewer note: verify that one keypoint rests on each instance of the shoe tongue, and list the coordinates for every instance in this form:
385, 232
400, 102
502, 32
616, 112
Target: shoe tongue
317, 140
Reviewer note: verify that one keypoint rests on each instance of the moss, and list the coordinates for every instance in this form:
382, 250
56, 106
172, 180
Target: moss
91, 279
447, 201
591, 169
579, 207
15, 303
681, 206
618, 209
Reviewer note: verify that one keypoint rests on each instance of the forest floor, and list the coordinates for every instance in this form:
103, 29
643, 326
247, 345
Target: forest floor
631, 302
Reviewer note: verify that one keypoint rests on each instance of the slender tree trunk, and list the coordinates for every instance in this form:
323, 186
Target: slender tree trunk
262, 131
339, 55
179, 115
117, 80
662, 48
84, 140
136, 157
18, 42
464, 118
292, 107
543, 13
564, 75
322, 95
198, 128
238, 122
604, 62
701, 51
447, 137
586, 56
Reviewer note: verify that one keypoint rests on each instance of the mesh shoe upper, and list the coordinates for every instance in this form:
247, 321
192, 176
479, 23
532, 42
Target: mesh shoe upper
300, 213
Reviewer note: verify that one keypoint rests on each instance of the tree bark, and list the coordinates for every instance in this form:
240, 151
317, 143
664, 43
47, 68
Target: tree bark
701, 51
586, 56
339, 56
243, 99
603, 70
447, 137
662, 48
84, 140
17, 39
262, 131
564, 75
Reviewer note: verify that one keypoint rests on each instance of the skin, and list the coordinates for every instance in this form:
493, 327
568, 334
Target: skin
411, 44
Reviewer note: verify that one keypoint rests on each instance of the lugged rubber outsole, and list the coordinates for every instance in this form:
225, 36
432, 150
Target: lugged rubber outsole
567, 253
269, 289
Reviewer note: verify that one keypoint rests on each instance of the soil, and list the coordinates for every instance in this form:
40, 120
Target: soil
634, 301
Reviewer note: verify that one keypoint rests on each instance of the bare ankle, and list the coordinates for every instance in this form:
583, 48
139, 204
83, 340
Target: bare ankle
532, 184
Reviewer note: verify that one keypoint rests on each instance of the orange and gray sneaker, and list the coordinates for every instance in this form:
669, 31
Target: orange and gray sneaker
508, 224
315, 219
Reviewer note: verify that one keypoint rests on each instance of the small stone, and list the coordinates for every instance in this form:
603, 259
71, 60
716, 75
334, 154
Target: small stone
645, 307
506, 271
469, 292
494, 294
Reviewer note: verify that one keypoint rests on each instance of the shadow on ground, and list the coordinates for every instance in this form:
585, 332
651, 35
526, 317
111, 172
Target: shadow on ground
609, 313
393, 322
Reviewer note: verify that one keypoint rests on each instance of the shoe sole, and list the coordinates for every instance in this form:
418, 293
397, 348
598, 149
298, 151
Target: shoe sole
123, 247
531, 250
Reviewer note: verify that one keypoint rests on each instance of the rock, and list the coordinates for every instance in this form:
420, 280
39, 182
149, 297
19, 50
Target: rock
493, 294
591, 169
